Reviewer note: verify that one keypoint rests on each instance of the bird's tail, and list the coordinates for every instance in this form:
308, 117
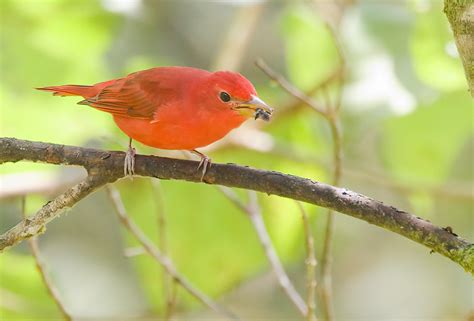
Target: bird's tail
71, 90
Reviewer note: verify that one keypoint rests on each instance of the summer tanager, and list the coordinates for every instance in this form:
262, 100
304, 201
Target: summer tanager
178, 108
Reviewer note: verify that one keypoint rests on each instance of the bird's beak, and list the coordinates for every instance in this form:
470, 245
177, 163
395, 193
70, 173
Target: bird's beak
255, 107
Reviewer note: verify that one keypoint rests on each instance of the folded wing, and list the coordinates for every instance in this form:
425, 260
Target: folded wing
138, 95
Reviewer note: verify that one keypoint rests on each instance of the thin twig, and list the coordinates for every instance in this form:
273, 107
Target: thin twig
326, 258
41, 267
252, 209
342, 65
333, 111
163, 245
335, 75
172, 300
134, 251
331, 115
36, 224
310, 266
163, 260
234, 198
292, 90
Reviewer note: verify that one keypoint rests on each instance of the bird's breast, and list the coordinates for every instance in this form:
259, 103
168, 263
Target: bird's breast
181, 132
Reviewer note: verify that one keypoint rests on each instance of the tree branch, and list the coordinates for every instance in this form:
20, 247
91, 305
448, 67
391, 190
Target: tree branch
330, 112
292, 90
460, 14
107, 166
34, 225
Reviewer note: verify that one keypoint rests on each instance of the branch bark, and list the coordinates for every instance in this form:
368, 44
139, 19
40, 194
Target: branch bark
107, 166
460, 14
34, 225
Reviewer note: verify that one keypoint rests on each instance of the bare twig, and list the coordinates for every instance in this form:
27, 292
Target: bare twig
172, 299
295, 92
35, 225
134, 251
252, 209
107, 166
342, 66
310, 266
41, 267
334, 76
334, 123
234, 198
163, 246
330, 113
326, 258
163, 260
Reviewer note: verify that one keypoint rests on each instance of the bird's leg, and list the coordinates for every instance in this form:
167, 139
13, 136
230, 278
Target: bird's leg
205, 162
129, 163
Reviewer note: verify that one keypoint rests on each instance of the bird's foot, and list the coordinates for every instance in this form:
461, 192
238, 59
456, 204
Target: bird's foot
129, 163
205, 163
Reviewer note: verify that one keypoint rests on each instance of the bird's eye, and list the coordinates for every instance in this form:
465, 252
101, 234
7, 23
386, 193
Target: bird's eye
225, 97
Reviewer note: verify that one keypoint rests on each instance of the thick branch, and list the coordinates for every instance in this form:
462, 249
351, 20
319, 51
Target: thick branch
460, 14
107, 166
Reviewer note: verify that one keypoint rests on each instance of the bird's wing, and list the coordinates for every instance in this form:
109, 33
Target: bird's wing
136, 96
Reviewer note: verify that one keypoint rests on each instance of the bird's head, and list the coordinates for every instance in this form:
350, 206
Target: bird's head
233, 92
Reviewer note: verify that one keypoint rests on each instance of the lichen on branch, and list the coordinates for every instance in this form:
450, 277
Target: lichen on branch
460, 14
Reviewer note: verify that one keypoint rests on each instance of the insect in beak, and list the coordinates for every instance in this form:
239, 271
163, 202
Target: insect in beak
260, 113
256, 108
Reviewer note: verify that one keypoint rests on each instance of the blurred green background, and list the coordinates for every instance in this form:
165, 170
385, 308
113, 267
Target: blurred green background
407, 122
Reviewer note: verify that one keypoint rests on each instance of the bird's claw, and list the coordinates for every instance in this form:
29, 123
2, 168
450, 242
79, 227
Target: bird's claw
129, 163
205, 163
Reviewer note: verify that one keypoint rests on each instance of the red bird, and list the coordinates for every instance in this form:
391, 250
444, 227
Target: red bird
178, 108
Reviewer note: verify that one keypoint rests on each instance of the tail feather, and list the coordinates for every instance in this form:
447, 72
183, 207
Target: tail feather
70, 90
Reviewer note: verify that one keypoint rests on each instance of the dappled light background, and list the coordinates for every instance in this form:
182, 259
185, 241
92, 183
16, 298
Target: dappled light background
407, 124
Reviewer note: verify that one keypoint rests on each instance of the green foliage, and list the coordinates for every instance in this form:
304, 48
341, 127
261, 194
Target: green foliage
423, 145
310, 51
434, 52
38, 50
27, 296
52, 42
